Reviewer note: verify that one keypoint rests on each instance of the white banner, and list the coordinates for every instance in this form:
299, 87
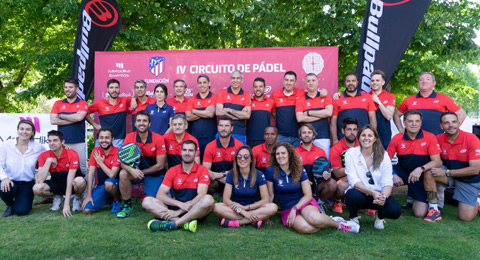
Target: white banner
41, 121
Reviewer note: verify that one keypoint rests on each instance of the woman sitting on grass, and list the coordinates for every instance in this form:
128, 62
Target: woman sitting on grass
245, 197
369, 173
288, 182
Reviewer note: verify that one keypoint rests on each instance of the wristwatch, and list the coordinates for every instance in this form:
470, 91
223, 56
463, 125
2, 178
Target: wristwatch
239, 210
224, 173
448, 173
423, 169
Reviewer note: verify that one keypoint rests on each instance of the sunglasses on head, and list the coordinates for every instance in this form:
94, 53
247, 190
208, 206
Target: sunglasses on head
370, 178
245, 156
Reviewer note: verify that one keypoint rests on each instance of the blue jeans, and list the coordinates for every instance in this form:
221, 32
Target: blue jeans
20, 197
295, 141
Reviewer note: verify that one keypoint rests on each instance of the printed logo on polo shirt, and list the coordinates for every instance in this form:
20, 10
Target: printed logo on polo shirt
209, 101
75, 162
242, 99
170, 147
364, 99
218, 154
78, 106
308, 104
281, 100
280, 183
85, 107
444, 151
402, 146
232, 153
414, 103
385, 102
164, 111
478, 150
236, 187
463, 151
436, 101
264, 159
121, 105
301, 158
253, 104
228, 97
195, 180
345, 102
106, 108
68, 165
263, 176
63, 107
267, 105
322, 101
153, 149
198, 103
151, 112
423, 144
205, 176
179, 180
359, 162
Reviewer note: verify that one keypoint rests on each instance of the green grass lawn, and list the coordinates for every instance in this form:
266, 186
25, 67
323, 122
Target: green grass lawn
48, 235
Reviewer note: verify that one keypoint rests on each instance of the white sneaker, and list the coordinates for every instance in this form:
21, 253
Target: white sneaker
57, 202
379, 223
350, 226
356, 220
77, 204
338, 219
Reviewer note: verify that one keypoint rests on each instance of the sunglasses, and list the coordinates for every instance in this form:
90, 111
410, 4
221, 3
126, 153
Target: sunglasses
370, 178
245, 156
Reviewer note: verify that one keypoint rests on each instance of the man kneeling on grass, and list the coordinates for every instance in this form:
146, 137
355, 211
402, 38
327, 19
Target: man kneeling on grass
190, 203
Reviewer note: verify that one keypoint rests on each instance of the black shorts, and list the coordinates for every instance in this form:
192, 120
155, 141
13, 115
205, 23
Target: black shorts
58, 182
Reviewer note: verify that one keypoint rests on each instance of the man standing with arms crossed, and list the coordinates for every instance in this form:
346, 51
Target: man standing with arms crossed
261, 113
140, 100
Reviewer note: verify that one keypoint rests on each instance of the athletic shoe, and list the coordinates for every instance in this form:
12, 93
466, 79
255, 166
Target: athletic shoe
349, 226
126, 211
337, 207
229, 223
356, 219
338, 219
77, 204
407, 205
329, 203
257, 224
8, 212
433, 215
379, 223
116, 207
191, 226
371, 212
57, 201
159, 225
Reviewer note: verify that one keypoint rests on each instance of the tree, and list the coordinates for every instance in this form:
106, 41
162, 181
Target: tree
37, 38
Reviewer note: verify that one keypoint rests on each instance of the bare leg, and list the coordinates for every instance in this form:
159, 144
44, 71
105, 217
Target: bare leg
79, 185
467, 212
200, 209
112, 190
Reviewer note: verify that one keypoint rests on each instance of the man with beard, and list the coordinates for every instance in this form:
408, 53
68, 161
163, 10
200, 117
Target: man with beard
261, 113
179, 101
308, 152
112, 112
220, 152
104, 161
189, 182
201, 113
174, 140
151, 169
316, 110
418, 152
237, 104
140, 100
461, 157
261, 152
69, 114
337, 159
352, 104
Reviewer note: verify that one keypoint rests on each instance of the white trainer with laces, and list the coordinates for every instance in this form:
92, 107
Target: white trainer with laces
356, 219
57, 202
77, 204
349, 226
379, 223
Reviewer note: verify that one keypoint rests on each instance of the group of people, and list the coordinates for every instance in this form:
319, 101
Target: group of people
206, 146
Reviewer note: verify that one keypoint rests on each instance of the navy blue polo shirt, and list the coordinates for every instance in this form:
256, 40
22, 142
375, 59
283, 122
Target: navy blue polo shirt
286, 192
307, 103
243, 193
236, 102
74, 132
221, 158
203, 127
260, 118
160, 117
286, 120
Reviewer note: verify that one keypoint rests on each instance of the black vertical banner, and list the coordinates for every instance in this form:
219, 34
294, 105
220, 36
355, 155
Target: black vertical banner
388, 27
98, 24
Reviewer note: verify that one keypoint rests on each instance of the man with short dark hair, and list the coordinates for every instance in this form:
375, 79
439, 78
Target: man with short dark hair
235, 103
174, 140
151, 169
69, 114
337, 159
104, 161
430, 103
262, 107
189, 182
201, 113
385, 104
112, 112
461, 158
261, 152
353, 103
179, 101
66, 178
140, 100
314, 109
418, 152
219, 153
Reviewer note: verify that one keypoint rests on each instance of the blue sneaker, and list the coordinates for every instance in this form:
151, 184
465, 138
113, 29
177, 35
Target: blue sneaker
159, 225
116, 207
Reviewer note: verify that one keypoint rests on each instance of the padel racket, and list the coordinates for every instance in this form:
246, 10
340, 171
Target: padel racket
320, 165
130, 154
